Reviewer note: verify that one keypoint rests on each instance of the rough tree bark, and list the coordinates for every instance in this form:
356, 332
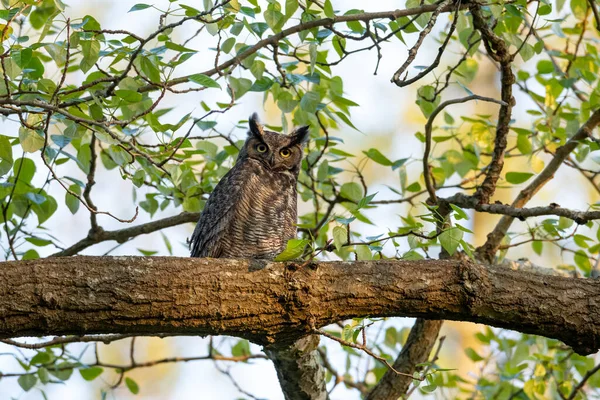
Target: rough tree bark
277, 303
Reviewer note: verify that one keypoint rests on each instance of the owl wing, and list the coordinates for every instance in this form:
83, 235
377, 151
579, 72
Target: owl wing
217, 216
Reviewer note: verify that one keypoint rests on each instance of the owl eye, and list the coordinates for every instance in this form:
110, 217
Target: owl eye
261, 148
285, 153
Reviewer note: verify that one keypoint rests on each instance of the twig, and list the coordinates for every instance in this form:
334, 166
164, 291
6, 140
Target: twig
585, 378
364, 348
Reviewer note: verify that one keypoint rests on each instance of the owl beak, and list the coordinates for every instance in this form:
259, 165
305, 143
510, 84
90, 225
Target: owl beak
272, 161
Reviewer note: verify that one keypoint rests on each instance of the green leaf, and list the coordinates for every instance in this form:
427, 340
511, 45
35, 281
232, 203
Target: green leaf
62, 371
138, 7
460, 214
89, 374
43, 375
240, 86
579, 8
71, 201
91, 54
312, 52
46, 209
450, 239
30, 255
583, 261
273, 17
27, 381
351, 191
286, 102
518, 177
524, 144
564, 223
379, 158
340, 237
527, 52
290, 8
6, 156
428, 388
22, 57
30, 140
228, 45
293, 249
363, 252
310, 101
537, 246
241, 348
130, 96
57, 52
414, 187
328, 9
472, 354
40, 358
178, 47
132, 385
545, 67
149, 67
206, 125
38, 241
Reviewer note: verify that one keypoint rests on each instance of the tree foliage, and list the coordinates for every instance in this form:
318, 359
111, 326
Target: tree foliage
90, 99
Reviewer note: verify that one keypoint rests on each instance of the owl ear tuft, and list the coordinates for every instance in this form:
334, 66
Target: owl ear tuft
301, 135
256, 128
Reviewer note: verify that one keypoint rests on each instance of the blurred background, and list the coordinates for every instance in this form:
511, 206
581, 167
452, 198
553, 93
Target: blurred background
387, 119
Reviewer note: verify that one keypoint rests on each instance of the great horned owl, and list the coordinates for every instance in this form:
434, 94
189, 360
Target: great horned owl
252, 211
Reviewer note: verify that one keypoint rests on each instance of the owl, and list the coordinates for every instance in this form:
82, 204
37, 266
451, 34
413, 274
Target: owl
252, 211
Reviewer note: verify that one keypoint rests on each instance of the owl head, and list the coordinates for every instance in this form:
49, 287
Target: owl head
275, 151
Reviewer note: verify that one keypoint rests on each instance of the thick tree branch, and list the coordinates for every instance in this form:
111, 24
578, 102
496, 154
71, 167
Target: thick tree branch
276, 303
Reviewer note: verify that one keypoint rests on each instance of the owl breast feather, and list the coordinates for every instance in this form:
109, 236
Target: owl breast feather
250, 214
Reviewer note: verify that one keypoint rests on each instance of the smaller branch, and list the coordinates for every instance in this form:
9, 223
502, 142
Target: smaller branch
361, 387
90, 182
412, 53
595, 12
580, 217
106, 339
580, 385
364, 348
428, 130
433, 360
123, 235
441, 50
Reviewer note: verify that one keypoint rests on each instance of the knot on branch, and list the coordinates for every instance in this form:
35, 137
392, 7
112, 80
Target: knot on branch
475, 283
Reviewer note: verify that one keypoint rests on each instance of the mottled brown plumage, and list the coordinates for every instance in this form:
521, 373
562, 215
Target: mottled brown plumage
252, 212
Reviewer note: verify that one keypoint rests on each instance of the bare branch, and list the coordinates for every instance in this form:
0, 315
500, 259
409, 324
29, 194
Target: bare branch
123, 235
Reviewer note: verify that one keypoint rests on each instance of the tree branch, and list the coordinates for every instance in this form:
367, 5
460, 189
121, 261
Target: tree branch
270, 303
490, 247
274, 40
581, 217
421, 340
498, 51
123, 235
